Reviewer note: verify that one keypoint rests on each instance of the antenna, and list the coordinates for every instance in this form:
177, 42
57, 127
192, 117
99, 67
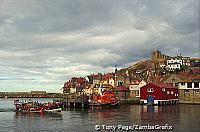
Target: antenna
155, 45
177, 52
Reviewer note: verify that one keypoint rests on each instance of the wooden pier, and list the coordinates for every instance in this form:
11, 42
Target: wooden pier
70, 100
74, 100
30, 95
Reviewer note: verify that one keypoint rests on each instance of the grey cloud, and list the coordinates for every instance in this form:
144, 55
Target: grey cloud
50, 41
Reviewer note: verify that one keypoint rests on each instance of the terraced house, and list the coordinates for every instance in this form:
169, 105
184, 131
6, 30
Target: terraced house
189, 92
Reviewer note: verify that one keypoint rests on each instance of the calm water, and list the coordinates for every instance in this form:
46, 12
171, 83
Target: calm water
183, 118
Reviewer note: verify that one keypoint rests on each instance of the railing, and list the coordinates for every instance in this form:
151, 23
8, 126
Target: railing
30, 95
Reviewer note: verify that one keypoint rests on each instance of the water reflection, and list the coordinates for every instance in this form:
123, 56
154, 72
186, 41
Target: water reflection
159, 114
159, 109
184, 118
53, 115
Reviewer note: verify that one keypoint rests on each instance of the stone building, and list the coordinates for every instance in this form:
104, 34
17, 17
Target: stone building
174, 80
157, 56
189, 92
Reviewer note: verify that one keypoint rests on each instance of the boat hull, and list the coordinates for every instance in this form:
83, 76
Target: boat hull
104, 104
53, 110
36, 107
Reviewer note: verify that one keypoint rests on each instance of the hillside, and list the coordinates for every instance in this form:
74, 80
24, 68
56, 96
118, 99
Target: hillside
138, 70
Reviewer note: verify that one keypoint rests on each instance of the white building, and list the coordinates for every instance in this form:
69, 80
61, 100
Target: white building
135, 86
195, 84
189, 91
72, 90
174, 63
174, 60
112, 82
186, 61
173, 66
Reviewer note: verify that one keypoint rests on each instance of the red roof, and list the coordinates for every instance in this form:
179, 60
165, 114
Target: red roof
107, 85
163, 85
80, 80
135, 82
195, 69
68, 84
96, 76
122, 88
107, 76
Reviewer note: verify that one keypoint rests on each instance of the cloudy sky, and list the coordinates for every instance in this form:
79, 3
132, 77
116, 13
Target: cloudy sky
45, 42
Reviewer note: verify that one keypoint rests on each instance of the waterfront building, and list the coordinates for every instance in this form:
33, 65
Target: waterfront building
112, 81
67, 86
158, 94
97, 79
189, 92
122, 92
135, 86
119, 80
76, 84
89, 90
173, 79
107, 79
127, 81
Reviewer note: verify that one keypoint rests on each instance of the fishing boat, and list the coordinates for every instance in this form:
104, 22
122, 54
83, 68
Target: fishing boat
35, 106
107, 99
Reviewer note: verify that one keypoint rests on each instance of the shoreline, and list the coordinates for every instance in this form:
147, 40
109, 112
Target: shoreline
122, 102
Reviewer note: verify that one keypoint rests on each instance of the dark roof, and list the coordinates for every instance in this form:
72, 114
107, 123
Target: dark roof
162, 85
165, 86
195, 69
196, 80
122, 88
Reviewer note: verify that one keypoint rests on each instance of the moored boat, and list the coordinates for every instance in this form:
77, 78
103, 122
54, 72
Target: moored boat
35, 106
107, 99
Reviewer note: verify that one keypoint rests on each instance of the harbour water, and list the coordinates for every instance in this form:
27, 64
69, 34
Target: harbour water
182, 118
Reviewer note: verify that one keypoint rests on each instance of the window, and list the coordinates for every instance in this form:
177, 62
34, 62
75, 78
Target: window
183, 84
176, 84
137, 92
150, 90
172, 92
173, 80
167, 92
189, 85
163, 89
196, 85
120, 83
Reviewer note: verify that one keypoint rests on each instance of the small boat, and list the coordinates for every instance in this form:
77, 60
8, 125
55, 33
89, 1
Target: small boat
107, 99
35, 106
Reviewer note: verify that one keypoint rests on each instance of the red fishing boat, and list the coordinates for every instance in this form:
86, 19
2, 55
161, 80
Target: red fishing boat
107, 99
35, 106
